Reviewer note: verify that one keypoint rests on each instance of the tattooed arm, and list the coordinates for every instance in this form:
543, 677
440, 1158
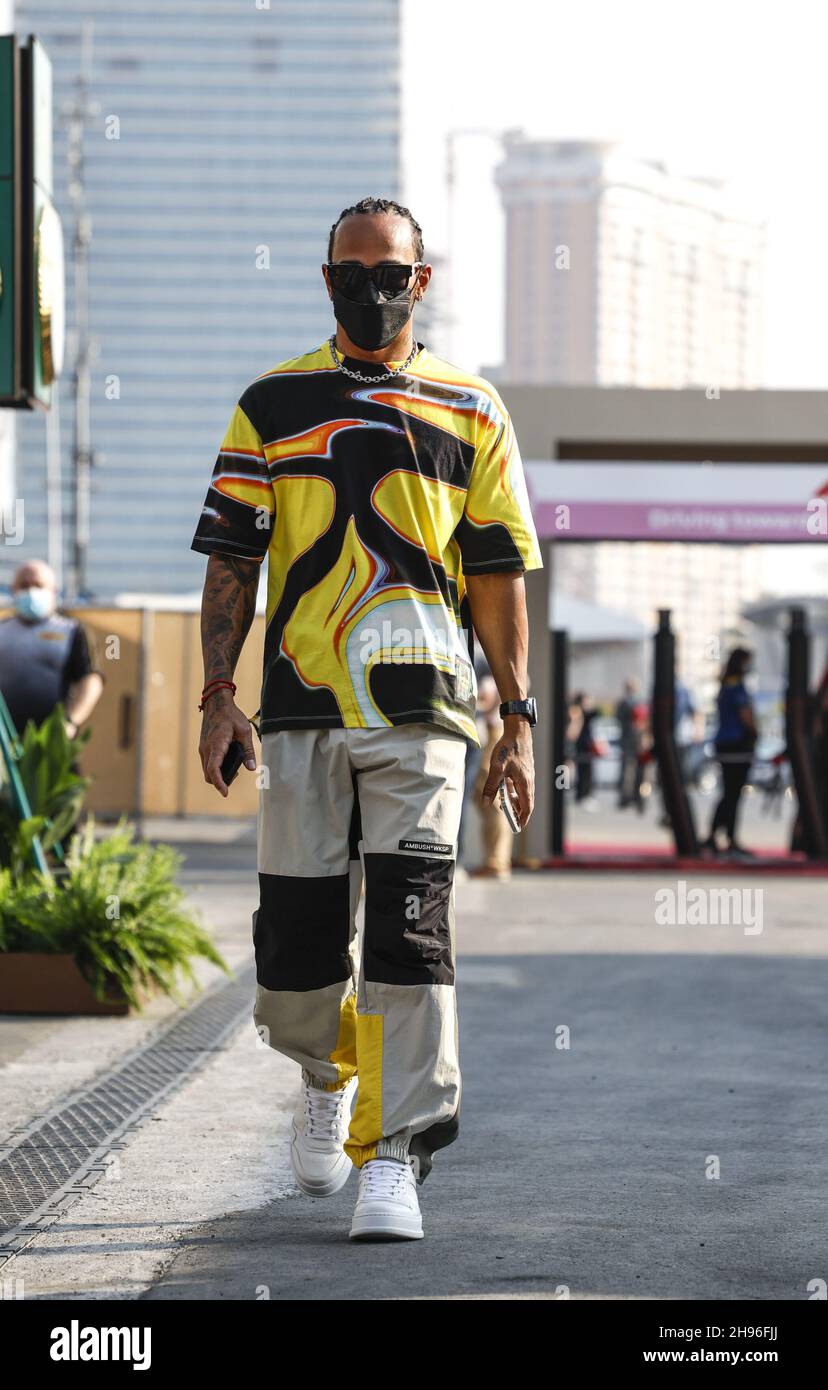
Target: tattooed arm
227, 608
498, 609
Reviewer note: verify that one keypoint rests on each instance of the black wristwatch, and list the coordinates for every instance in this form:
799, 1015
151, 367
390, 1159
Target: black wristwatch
527, 708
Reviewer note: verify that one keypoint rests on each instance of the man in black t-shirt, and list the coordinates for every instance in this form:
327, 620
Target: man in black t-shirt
44, 655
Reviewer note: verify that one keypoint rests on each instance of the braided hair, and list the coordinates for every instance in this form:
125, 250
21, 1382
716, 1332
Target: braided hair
376, 205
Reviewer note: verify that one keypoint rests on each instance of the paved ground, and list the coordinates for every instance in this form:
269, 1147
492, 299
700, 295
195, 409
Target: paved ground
580, 1169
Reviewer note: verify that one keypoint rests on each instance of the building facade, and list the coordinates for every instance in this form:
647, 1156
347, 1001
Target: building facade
622, 273
222, 142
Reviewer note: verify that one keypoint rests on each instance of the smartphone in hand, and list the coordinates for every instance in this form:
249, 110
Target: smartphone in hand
232, 761
509, 808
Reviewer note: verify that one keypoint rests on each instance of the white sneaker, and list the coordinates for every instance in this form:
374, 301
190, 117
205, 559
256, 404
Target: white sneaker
318, 1131
387, 1206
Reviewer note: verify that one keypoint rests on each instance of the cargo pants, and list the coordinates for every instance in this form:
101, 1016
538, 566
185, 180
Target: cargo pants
337, 805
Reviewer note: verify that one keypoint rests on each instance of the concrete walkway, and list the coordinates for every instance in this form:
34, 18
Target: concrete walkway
585, 1170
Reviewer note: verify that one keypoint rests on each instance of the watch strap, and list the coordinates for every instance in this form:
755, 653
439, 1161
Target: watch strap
528, 709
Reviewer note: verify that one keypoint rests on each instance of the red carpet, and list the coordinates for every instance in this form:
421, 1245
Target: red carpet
651, 858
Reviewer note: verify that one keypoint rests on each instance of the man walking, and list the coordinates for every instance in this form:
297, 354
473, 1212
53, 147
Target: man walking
386, 488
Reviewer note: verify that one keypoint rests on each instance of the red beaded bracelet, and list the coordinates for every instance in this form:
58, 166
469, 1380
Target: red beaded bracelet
212, 687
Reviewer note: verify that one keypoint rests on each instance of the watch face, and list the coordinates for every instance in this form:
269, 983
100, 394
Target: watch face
528, 708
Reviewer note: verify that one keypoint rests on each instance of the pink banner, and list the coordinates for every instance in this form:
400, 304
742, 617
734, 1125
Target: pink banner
669, 521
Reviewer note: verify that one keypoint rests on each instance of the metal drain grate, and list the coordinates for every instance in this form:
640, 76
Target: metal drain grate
47, 1166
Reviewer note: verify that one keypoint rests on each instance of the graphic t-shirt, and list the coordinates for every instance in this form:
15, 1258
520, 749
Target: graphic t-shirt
372, 500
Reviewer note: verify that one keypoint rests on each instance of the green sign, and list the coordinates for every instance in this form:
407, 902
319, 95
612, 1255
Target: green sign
8, 240
32, 282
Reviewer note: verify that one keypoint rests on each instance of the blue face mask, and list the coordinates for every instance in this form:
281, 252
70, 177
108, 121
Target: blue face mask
33, 604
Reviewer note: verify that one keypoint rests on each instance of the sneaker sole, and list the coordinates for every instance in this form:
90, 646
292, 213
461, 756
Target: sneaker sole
384, 1228
339, 1176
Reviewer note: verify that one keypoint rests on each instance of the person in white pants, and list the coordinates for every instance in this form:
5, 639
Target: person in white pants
385, 487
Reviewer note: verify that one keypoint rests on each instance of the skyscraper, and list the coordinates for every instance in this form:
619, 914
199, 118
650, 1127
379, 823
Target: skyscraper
623, 273
620, 272
225, 141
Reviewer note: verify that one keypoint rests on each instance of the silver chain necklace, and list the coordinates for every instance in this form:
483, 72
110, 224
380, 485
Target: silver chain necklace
358, 376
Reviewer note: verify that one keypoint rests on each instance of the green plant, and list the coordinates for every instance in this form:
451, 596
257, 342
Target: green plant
54, 788
116, 909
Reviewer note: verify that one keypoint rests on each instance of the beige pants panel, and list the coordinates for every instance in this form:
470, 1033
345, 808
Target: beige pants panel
409, 781
409, 784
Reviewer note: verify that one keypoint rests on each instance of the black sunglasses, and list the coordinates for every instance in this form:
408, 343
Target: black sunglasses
349, 277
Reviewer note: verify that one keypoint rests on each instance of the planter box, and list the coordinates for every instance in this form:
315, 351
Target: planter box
32, 982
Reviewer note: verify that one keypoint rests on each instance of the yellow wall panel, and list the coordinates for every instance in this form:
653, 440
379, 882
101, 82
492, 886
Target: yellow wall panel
111, 756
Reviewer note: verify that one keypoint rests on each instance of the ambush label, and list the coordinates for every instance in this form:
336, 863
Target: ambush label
428, 846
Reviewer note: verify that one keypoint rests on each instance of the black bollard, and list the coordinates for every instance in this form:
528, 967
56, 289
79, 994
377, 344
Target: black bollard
676, 802
798, 737
560, 681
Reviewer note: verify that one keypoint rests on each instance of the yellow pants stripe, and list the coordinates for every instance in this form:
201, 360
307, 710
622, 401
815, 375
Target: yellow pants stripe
344, 1055
366, 1121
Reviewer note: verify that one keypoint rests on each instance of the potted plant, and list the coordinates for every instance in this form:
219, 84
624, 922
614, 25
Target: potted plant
106, 923
45, 761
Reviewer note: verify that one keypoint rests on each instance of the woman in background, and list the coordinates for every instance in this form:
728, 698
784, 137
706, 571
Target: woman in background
583, 711
735, 742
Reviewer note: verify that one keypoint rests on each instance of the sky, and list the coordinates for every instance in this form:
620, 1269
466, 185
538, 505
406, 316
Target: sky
731, 88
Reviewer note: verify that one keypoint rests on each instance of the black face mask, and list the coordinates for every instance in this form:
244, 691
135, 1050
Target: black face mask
372, 325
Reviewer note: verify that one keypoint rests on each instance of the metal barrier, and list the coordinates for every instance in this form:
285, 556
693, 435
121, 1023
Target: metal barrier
799, 746
560, 663
676, 801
